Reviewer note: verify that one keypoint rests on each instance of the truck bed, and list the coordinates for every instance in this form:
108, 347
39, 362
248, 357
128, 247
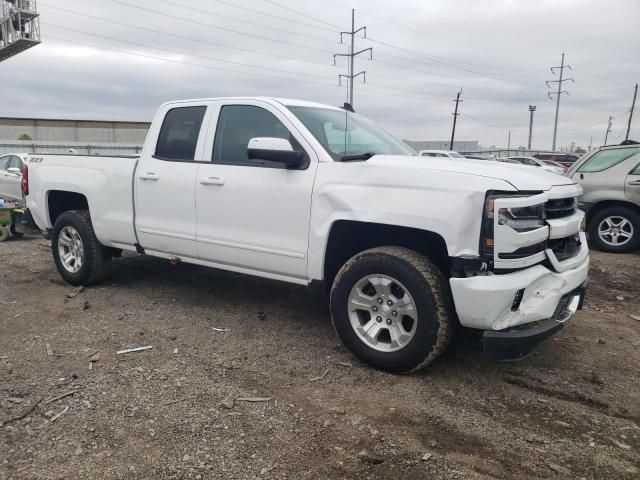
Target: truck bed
106, 181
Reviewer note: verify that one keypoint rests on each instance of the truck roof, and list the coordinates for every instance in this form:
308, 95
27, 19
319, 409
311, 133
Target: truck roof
289, 102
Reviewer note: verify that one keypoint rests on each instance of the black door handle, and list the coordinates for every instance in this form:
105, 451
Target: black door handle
582, 176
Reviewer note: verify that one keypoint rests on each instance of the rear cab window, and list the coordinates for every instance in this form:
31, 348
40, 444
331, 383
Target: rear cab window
605, 159
179, 134
4, 162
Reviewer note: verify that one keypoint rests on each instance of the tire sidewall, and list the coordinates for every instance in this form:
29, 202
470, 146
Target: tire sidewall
627, 213
72, 219
426, 335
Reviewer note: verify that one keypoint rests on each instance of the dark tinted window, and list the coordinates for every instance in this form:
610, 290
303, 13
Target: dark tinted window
179, 133
3, 162
240, 123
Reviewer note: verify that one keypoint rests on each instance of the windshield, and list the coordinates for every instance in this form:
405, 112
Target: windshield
346, 134
456, 155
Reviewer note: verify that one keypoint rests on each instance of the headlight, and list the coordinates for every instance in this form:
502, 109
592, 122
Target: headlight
523, 219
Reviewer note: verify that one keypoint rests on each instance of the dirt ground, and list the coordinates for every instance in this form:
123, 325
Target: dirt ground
277, 396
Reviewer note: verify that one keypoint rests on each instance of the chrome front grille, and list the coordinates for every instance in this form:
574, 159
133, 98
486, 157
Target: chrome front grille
561, 207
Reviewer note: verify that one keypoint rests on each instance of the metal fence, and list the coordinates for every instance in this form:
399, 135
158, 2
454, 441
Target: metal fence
81, 148
516, 153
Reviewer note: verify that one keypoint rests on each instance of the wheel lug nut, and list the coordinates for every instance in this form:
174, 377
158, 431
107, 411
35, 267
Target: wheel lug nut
378, 319
389, 302
388, 321
375, 309
394, 313
379, 300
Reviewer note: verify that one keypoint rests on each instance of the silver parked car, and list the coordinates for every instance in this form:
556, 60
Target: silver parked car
11, 176
610, 177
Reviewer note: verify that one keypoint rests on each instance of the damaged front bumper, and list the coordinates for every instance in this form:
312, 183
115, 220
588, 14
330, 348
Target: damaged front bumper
518, 310
516, 344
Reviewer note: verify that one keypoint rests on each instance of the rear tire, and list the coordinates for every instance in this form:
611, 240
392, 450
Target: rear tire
78, 255
371, 295
615, 229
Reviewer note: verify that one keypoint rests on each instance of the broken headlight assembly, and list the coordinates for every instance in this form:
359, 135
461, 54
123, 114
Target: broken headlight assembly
521, 219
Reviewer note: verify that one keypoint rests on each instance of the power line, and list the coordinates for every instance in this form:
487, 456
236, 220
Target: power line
208, 67
557, 94
173, 35
246, 22
351, 75
247, 9
137, 44
298, 12
176, 17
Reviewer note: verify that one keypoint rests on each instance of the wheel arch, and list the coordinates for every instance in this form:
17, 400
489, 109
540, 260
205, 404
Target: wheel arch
60, 201
349, 237
599, 206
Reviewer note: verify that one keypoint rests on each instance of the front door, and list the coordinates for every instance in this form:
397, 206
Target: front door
254, 214
165, 184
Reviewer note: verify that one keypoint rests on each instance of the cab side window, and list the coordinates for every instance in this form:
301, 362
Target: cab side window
605, 159
4, 162
237, 124
179, 134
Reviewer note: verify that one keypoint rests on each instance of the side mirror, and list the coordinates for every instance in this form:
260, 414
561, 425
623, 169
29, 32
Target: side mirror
14, 171
274, 150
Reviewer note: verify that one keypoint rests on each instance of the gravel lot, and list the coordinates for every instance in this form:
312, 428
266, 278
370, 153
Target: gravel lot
277, 396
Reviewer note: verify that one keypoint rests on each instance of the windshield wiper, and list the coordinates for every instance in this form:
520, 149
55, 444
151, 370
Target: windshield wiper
362, 156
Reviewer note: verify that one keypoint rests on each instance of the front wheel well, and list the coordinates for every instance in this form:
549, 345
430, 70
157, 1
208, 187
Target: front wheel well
347, 238
59, 201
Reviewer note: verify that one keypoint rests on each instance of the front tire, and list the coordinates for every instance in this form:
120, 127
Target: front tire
392, 308
78, 255
615, 229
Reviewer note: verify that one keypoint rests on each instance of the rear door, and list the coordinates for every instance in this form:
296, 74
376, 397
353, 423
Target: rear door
165, 180
632, 184
253, 214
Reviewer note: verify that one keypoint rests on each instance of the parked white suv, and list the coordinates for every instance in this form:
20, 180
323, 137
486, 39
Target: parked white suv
319, 196
534, 162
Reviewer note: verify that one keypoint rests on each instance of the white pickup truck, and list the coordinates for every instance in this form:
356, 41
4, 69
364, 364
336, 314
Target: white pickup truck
408, 247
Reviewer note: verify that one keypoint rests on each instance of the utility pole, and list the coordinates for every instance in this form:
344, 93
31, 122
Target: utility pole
532, 108
606, 136
455, 118
351, 55
557, 94
509, 142
633, 105
590, 142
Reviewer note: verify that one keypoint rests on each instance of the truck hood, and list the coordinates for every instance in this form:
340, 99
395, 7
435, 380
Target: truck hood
520, 176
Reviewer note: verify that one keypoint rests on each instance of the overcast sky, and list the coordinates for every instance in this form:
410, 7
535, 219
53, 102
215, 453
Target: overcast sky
498, 51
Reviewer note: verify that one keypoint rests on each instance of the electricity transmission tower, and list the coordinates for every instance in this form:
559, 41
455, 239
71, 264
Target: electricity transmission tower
557, 94
532, 108
455, 118
351, 56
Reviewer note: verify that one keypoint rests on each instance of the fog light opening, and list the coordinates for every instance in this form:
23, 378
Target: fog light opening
517, 300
